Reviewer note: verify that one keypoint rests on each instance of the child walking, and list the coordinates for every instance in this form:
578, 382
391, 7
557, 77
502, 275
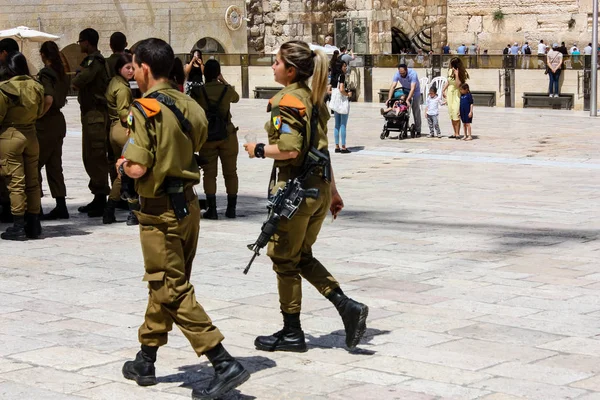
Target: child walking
432, 110
466, 110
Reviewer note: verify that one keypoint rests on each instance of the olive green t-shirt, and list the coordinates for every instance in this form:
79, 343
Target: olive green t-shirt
118, 98
162, 146
21, 101
111, 62
54, 86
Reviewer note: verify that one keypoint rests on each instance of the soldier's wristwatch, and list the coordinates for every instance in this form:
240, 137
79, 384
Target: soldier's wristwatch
259, 150
121, 169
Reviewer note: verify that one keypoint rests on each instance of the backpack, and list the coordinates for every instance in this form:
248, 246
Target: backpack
527, 50
217, 125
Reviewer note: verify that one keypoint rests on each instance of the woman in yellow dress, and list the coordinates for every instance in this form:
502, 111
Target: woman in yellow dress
457, 75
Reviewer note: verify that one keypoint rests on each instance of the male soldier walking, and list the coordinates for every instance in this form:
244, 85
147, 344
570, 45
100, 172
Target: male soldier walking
91, 82
166, 128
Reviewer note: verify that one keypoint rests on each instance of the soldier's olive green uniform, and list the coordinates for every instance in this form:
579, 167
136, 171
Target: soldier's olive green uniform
111, 62
92, 82
118, 98
227, 150
169, 245
51, 131
291, 247
21, 104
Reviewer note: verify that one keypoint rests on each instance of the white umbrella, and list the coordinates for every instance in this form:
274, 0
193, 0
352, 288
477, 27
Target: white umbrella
327, 49
24, 33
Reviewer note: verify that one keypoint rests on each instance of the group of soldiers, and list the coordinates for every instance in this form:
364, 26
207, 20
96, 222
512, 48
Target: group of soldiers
167, 136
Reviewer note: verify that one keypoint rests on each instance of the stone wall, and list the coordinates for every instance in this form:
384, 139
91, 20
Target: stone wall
274, 22
191, 20
524, 20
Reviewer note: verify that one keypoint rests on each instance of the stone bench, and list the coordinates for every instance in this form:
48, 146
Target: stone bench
542, 100
266, 92
484, 98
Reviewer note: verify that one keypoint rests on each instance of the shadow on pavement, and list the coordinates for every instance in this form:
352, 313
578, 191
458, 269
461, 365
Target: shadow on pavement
509, 237
337, 340
199, 375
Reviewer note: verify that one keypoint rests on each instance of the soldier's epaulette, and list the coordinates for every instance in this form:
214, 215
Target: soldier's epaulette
148, 107
291, 102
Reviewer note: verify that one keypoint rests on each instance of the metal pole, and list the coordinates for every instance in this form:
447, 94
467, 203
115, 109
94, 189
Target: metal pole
169, 25
594, 91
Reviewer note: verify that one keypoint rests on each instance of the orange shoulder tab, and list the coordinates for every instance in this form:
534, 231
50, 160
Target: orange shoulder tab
291, 101
151, 106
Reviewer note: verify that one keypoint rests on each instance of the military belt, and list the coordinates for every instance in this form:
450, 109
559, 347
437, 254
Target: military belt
163, 203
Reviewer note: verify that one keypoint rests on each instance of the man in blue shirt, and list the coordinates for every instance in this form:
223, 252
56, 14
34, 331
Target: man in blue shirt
409, 80
514, 50
446, 49
462, 49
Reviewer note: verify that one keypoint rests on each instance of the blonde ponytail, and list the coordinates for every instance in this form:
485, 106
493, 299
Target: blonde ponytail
308, 64
319, 78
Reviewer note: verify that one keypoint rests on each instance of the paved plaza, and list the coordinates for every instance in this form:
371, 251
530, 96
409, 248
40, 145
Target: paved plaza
479, 262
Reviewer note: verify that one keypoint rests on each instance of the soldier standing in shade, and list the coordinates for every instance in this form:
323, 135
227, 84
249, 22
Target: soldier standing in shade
7, 46
91, 82
166, 128
52, 127
119, 98
21, 104
218, 93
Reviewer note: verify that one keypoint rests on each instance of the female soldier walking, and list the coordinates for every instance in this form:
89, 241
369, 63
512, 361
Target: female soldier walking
21, 104
290, 250
52, 128
118, 99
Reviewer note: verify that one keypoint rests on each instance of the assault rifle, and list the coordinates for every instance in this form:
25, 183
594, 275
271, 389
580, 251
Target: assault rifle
286, 201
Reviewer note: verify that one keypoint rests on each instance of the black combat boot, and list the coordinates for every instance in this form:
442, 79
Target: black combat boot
122, 205
354, 316
17, 231
58, 212
96, 207
108, 215
290, 338
141, 370
202, 204
229, 374
131, 218
211, 211
33, 227
231, 204
6, 217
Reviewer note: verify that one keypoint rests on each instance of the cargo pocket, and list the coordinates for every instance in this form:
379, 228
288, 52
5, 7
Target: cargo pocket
153, 237
157, 284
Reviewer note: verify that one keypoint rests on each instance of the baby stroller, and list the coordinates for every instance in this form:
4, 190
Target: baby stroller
399, 123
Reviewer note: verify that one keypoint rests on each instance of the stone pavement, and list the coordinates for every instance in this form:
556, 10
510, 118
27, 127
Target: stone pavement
479, 261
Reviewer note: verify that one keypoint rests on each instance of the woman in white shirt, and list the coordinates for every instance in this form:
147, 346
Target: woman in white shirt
554, 60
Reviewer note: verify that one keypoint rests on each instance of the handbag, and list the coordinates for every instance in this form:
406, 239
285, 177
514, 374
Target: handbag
338, 102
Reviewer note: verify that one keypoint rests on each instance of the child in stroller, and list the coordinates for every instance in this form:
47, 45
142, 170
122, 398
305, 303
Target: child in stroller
397, 118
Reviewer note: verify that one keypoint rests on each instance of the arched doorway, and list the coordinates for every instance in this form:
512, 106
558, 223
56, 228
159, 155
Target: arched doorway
73, 55
208, 45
